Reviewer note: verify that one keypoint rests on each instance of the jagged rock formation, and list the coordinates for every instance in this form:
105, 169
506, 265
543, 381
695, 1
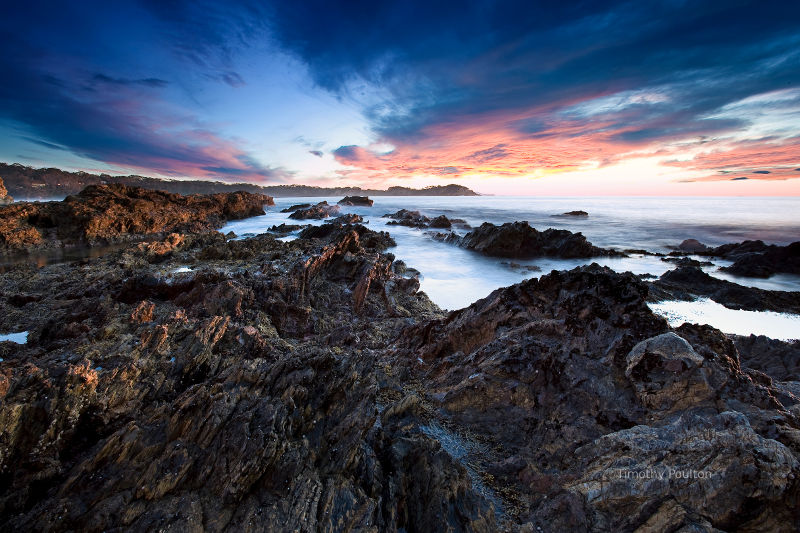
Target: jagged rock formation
594, 416
518, 240
5, 198
356, 200
308, 385
113, 213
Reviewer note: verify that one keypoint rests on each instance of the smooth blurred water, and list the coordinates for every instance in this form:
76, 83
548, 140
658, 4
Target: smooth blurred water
454, 278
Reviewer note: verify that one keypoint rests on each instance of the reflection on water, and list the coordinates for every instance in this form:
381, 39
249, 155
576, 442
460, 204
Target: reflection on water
57, 255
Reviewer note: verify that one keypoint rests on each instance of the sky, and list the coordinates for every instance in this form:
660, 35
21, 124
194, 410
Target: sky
539, 98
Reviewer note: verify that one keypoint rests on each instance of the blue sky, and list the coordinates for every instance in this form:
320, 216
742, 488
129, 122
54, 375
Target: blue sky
506, 97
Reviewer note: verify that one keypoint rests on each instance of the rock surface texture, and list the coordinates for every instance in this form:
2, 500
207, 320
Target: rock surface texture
102, 214
262, 385
5, 198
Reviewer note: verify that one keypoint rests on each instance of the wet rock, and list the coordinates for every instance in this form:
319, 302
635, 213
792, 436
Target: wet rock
774, 260
295, 207
686, 262
440, 222
348, 218
519, 240
692, 246
404, 217
356, 200
102, 214
317, 211
285, 229
688, 282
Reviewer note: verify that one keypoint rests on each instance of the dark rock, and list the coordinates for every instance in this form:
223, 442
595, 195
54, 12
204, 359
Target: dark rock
440, 222
573, 214
615, 418
356, 200
295, 207
318, 211
686, 282
519, 240
285, 229
348, 218
686, 261
404, 217
779, 359
774, 260
692, 246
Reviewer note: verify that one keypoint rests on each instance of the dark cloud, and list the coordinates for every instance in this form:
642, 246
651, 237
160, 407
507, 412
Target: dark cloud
146, 82
348, 153
65, 81
317, 153
484, 156
761, 172
448, 64
740, 178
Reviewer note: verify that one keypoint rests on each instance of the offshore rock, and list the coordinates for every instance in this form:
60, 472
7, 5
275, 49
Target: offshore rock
356, 200
317, 211
102, 214
518, 240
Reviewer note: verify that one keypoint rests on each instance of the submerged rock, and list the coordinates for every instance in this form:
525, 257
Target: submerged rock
356, 200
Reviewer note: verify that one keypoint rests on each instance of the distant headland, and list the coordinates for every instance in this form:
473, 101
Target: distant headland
25, 182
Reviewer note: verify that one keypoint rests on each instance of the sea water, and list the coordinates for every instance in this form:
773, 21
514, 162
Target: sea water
454, 278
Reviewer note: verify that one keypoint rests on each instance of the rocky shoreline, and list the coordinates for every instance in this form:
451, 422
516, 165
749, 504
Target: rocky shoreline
103, 214
201, 383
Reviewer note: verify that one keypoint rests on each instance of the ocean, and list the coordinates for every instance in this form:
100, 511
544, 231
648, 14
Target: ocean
454, 278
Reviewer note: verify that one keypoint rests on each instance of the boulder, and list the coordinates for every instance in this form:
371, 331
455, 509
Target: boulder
356, 200
573, 214
692, 246
519, 240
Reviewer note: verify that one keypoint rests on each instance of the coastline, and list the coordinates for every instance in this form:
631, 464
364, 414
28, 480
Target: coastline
310, 382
